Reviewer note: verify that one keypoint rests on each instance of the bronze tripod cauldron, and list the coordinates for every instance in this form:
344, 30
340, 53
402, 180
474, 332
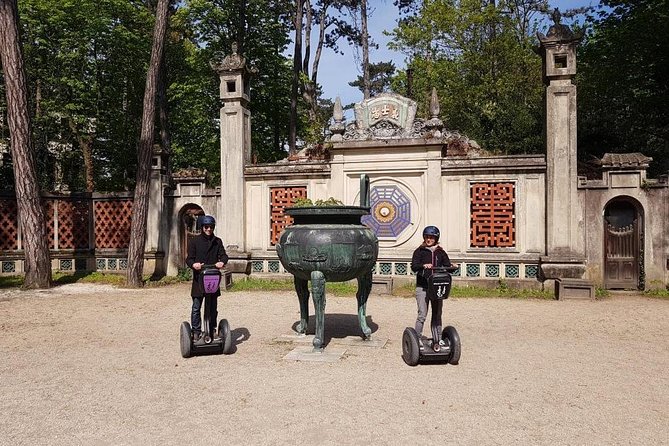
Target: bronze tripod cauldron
329, 244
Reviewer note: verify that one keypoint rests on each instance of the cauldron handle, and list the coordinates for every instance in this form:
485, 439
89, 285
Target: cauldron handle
364, 190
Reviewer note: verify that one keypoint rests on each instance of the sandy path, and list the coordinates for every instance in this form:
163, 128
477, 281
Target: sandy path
91, 365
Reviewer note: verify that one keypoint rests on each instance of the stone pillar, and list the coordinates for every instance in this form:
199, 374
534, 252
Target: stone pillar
235, 151
565, 253
156, 224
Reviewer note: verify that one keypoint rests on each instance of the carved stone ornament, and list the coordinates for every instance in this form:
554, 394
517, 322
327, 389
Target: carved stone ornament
337, 128
559, 32
231, 62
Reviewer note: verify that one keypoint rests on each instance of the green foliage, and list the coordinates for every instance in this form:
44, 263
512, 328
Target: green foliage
601, 292
623, 80
660, 293
380, 77
11, 281
184, 274
204, 30
481, 62
255, 284
306, 202
86, 66
88, 277
501, 291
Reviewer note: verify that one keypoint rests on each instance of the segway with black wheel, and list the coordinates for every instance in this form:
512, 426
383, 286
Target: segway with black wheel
416, 350
212, 340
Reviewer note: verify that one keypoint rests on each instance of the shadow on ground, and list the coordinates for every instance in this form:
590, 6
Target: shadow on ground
339, 326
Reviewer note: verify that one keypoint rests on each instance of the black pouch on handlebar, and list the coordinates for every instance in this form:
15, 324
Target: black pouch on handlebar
439, 284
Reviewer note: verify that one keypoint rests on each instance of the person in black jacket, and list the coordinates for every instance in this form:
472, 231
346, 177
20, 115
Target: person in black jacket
426, 257
204, 249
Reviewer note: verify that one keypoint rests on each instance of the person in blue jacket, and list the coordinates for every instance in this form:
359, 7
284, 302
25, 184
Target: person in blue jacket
204, 249
427, 256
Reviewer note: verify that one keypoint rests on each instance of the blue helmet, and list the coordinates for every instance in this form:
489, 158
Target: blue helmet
207, 220
431, 230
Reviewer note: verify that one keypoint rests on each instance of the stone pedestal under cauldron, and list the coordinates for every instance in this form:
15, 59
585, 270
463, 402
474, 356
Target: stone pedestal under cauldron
329, 244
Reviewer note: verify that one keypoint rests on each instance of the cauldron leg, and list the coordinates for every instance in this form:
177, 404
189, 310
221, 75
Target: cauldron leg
318, 294
302, 290
364, 288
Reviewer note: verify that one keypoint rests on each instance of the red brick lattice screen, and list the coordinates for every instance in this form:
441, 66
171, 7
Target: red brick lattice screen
493, 217
280, 199
73, 221
112, 223
50, 226
9, 225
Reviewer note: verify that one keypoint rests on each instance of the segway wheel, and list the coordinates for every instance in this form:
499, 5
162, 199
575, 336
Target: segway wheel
225, 335
410, 347
186, 340
450, 335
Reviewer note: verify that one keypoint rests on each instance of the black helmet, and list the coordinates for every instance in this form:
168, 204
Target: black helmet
207, 220
431, 230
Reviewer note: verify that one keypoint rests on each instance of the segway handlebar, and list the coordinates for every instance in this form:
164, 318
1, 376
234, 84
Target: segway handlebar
448, 269
208, 266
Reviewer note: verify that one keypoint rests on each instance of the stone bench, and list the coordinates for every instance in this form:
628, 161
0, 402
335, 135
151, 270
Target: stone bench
574, 289
382, 285
226, 279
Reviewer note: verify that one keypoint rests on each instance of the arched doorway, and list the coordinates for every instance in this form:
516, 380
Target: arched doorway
188, 229
623, 239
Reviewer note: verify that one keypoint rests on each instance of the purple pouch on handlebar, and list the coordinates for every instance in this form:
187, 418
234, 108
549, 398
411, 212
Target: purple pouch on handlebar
210, 281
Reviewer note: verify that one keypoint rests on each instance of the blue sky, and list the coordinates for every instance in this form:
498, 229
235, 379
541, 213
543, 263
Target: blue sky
336, 71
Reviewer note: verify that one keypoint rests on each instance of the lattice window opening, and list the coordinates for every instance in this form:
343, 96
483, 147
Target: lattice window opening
65, 265
101, 264
457, 272
112, 264
401, 269
9, 225
280, 199
385, 268
123, 264
511, 271
473, 270
258, 266
492, 215
531, 271
273, 266
8, 267
492, 270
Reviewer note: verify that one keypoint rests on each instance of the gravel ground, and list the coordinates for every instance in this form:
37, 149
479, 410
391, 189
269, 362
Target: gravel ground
95, 365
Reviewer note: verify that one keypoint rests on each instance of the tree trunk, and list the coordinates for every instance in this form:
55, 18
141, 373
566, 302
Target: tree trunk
31, 213
165, 138
85, 141
365, 49
140, 207
310, 94
241, 27
297, 69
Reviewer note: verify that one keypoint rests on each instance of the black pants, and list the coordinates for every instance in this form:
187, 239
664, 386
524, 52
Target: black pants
196, 319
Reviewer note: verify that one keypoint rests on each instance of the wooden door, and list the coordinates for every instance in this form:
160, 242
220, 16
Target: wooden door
622, 256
